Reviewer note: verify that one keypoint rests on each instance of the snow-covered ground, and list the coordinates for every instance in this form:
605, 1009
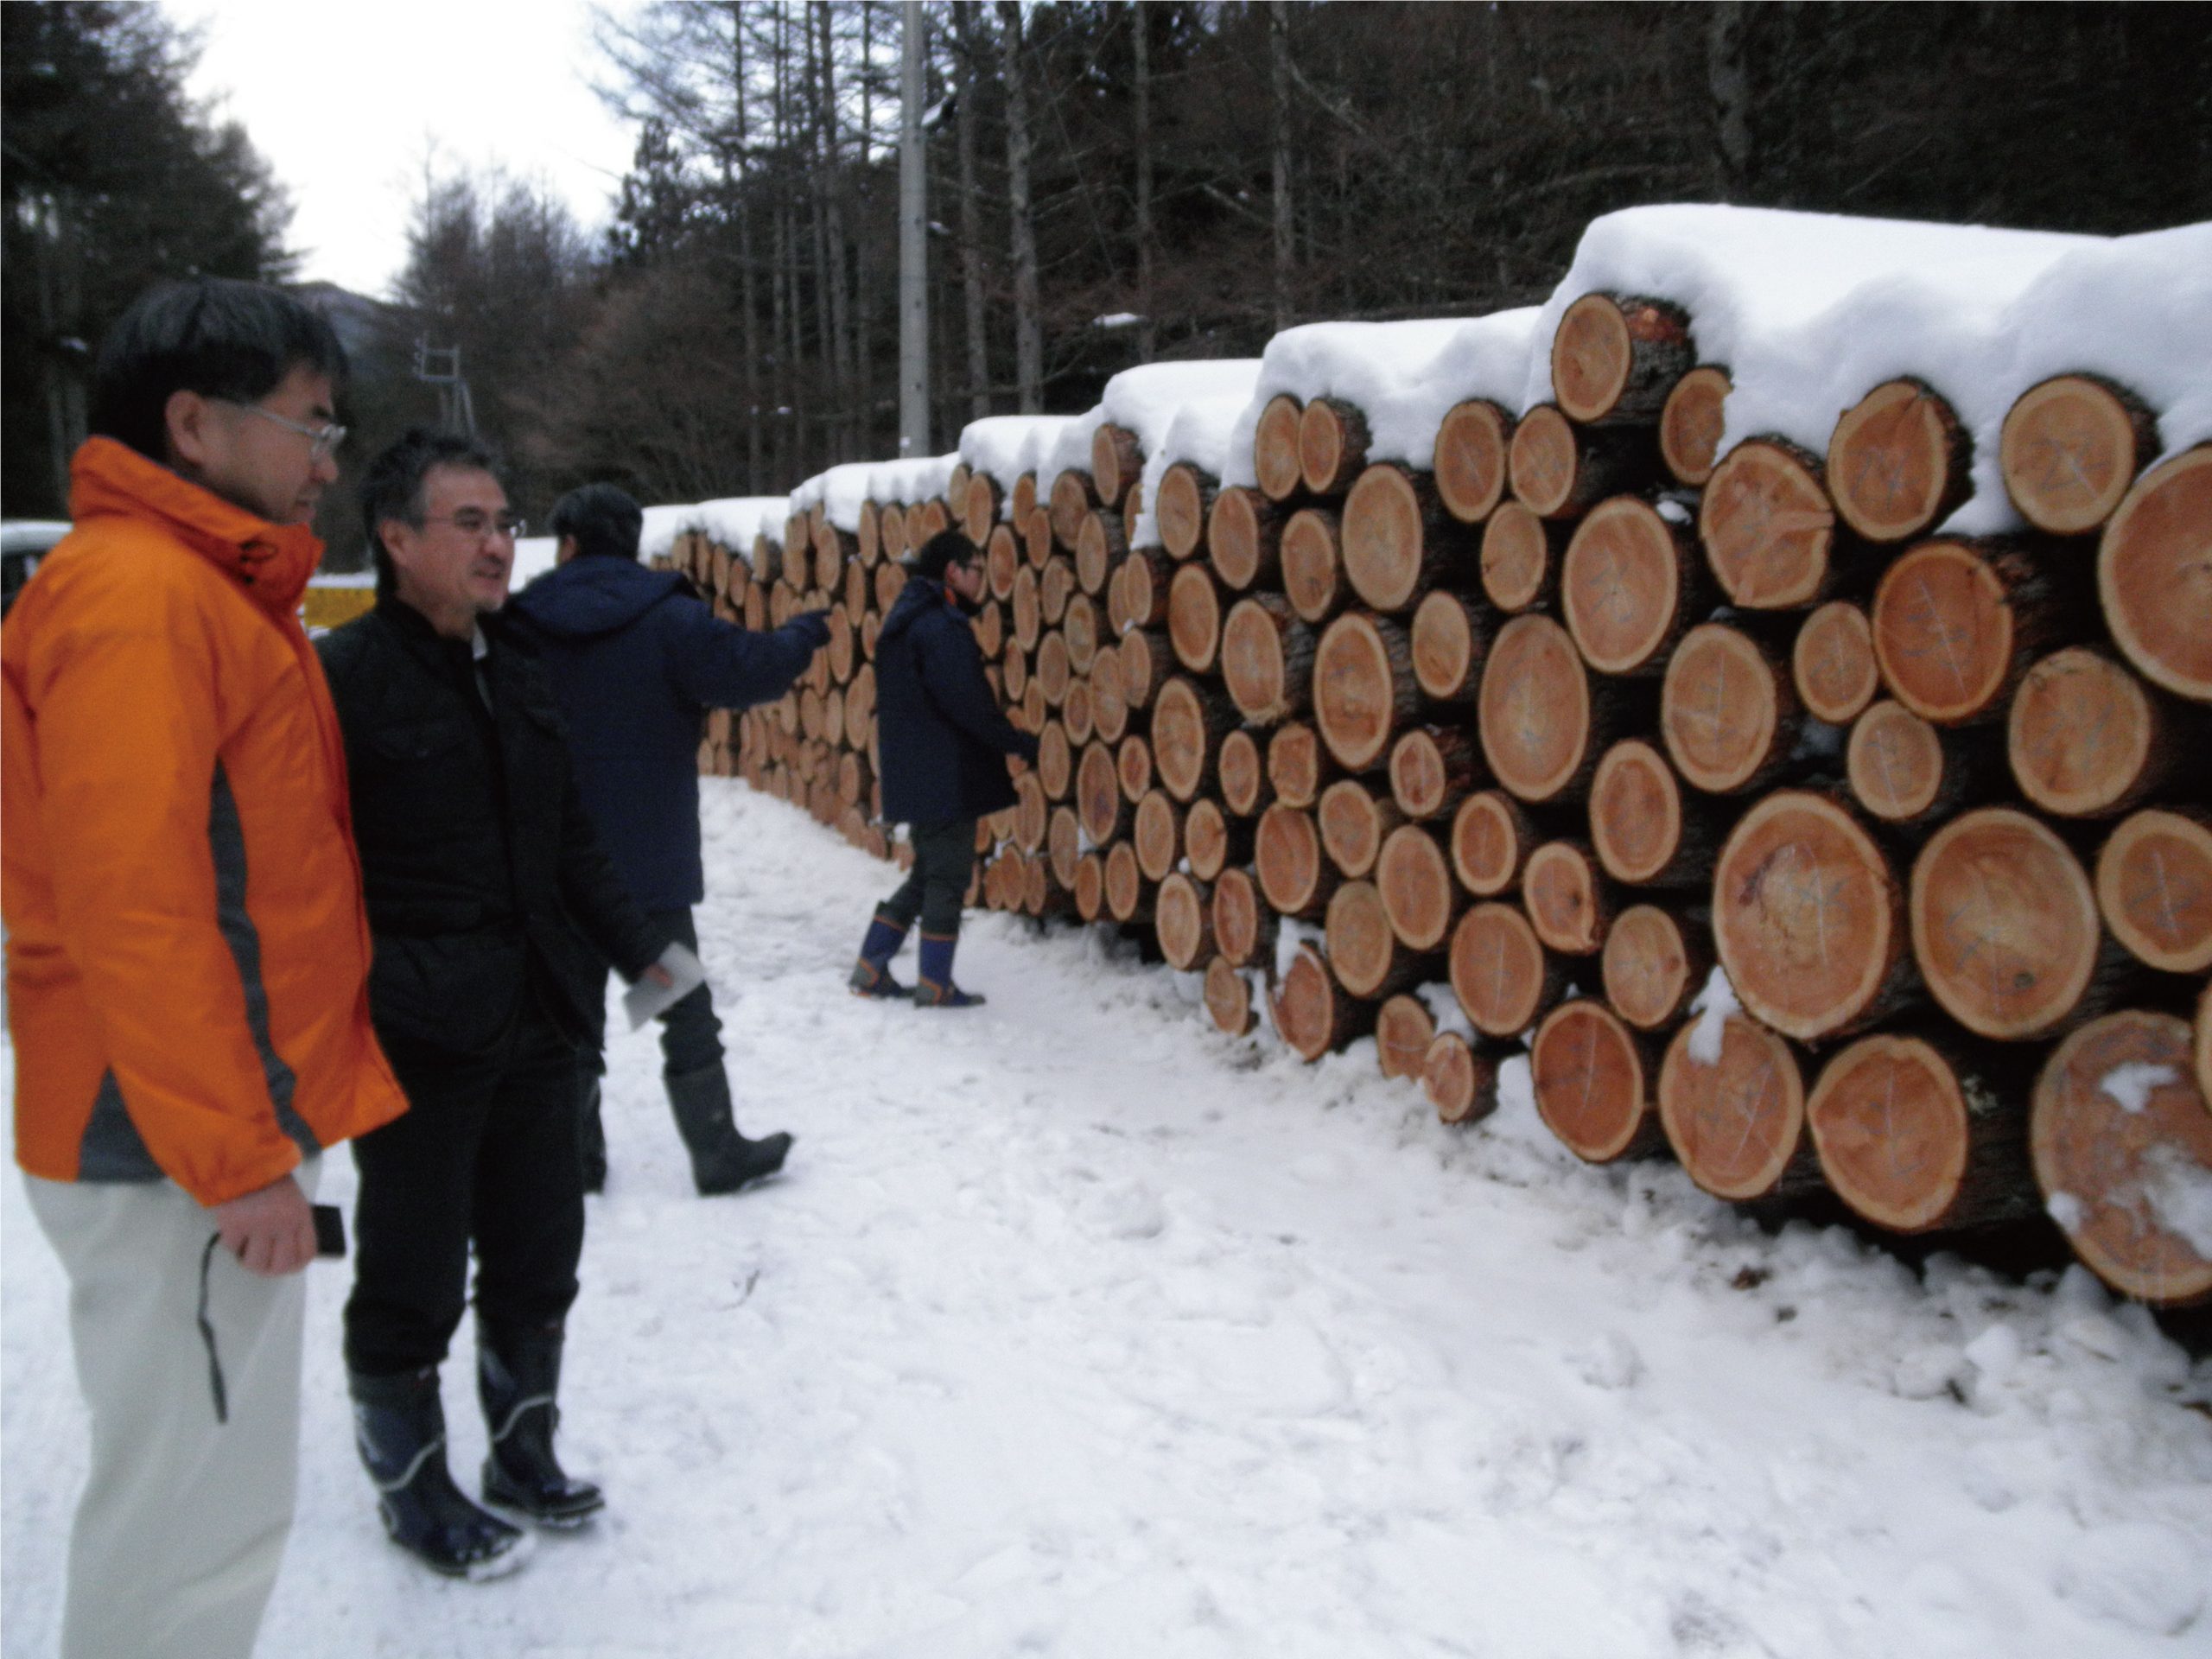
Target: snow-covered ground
1079, 1329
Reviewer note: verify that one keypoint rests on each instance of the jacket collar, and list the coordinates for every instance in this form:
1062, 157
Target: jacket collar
272, 562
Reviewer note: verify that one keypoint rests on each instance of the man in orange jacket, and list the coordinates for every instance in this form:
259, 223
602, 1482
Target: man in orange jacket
188, 952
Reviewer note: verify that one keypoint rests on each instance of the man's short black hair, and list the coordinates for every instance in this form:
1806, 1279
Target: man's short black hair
942, 550
215, 335
603, 518
391, 484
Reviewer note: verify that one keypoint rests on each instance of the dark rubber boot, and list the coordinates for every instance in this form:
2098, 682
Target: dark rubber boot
722, 1161
518, 1379
933, 986
399, 1427
594, 1134
871, 974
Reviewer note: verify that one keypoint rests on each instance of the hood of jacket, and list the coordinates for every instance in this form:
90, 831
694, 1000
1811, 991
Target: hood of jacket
108, 479
593, 595
919, 594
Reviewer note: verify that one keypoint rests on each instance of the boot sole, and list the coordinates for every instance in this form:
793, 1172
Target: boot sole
509, 1504
510, 1560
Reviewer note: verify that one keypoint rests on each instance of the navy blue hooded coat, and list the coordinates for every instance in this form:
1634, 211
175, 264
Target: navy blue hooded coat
939, 732
636, 659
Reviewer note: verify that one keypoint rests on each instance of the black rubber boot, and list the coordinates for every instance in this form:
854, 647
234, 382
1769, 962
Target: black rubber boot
722, 1161
594, 1134
517, 1378
399, 1427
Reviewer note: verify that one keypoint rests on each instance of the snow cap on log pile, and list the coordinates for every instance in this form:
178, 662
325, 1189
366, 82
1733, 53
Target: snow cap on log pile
1146, 400
731, 521
1403, 376
841, 491
1007, 445
1809, 312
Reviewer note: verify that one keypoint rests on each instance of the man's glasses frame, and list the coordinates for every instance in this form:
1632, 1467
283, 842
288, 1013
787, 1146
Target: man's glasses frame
323, 439
474, 521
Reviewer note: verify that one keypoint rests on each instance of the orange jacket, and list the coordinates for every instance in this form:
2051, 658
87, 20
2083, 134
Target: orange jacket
188, 952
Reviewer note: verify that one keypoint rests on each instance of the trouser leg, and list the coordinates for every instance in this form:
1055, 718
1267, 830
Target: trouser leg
945, 857
528, 1193
181, 1526
691, 1032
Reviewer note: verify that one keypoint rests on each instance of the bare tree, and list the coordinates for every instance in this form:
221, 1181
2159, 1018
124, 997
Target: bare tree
1279, 62
1141, 92
1726, 24
1028, 324
967, 118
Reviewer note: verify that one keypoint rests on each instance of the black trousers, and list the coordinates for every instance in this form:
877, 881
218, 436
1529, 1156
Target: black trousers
935, 888
485, 1155
691, 1031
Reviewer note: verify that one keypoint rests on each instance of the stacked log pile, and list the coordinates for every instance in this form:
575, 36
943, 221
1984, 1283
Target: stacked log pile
1586, 708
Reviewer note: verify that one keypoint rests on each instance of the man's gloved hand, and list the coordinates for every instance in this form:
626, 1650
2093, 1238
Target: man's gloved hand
815, 625
1028, 750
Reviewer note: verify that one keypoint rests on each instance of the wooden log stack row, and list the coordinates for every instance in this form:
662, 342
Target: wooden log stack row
1586, 708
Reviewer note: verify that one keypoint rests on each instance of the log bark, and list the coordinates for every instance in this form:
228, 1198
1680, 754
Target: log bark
1521, 557
1116, 462
1157, 836
1538, 713
1569, 902
1294, 878
1501, 972
2071, 446
1354, 823
1300, 766
1654, 962
1450, 636
1920, 1132
1459, 1078
1737, 1121
1187, 493
1140, 585
1644, 833
2006, 928
1101, 806
1403, 1030
1596, 1083
1471, 445
1432, 769
2154, 887
1244, 924
1100, 545
1189, 720
1313, 1014
1560, 471
1492, 839
1912, 777
1212, 841
1194, 607
1768, 528
2154, 577
1133, 766
1396, 540
1727, 711
1332, 439
1900, 462
1229, 999
1068, 502
1243, 538
1275, 448
1832, 663
1631, 585
1415, 879
1364, 687
1147, 661
2105, 1154
1312, 564
1691, 423
1957, 624
1182, 918
1808, 917
1615, 358
2086, 737
1243, 769
1267, 659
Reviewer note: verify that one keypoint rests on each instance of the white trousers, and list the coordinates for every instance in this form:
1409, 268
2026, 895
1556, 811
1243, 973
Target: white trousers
183, 1524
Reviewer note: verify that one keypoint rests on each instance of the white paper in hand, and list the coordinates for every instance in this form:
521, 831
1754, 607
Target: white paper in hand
645, 1000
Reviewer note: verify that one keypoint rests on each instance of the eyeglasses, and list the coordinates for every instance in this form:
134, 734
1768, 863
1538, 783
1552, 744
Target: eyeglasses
474, 521
325, 438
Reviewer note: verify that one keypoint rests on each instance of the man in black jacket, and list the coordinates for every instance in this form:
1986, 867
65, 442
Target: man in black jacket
492, 909
943, 744
637, 659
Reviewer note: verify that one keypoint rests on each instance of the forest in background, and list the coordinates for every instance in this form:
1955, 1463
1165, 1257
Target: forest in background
1112, 184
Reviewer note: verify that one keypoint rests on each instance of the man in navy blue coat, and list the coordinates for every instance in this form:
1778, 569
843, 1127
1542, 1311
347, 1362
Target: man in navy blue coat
942, 745
637, 658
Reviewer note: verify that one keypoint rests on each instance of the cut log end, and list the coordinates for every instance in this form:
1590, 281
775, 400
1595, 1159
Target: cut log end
1737, 1120
1293, 877
1768, 526
1403, 1030
1450, 636
1460, 1079
1593, 1088
2082, 735
1185, 494
1565, 898
1624, 586
1364, 687
1182, 918
1616, 357
1499, 971
1722, 709
1229, 999
1948, 629
1275, 448
1899, 462
2122, 1137
1415, 879
1895, 763
1244, 774
1896, 1133
1366, 956
2070, 447
1243, 538
1691, 423
1636, 813
1833, 663
2154, 888
1492, 839
1472, 444
2154, 575
1519, 564
1243, 927
1331, 445
1312, 564
1534, 710
1312, 1012
1652, 967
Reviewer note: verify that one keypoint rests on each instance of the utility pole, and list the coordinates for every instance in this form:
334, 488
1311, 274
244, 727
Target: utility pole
913, 239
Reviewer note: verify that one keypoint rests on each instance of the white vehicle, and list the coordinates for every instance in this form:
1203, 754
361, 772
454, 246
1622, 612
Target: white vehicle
22, 542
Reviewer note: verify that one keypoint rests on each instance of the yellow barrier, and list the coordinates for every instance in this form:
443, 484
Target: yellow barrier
326, 607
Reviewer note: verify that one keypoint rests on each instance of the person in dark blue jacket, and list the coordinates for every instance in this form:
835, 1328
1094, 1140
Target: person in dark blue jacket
942, 744
637, 658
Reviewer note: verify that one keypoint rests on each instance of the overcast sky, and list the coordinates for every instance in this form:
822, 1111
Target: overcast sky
346, 99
